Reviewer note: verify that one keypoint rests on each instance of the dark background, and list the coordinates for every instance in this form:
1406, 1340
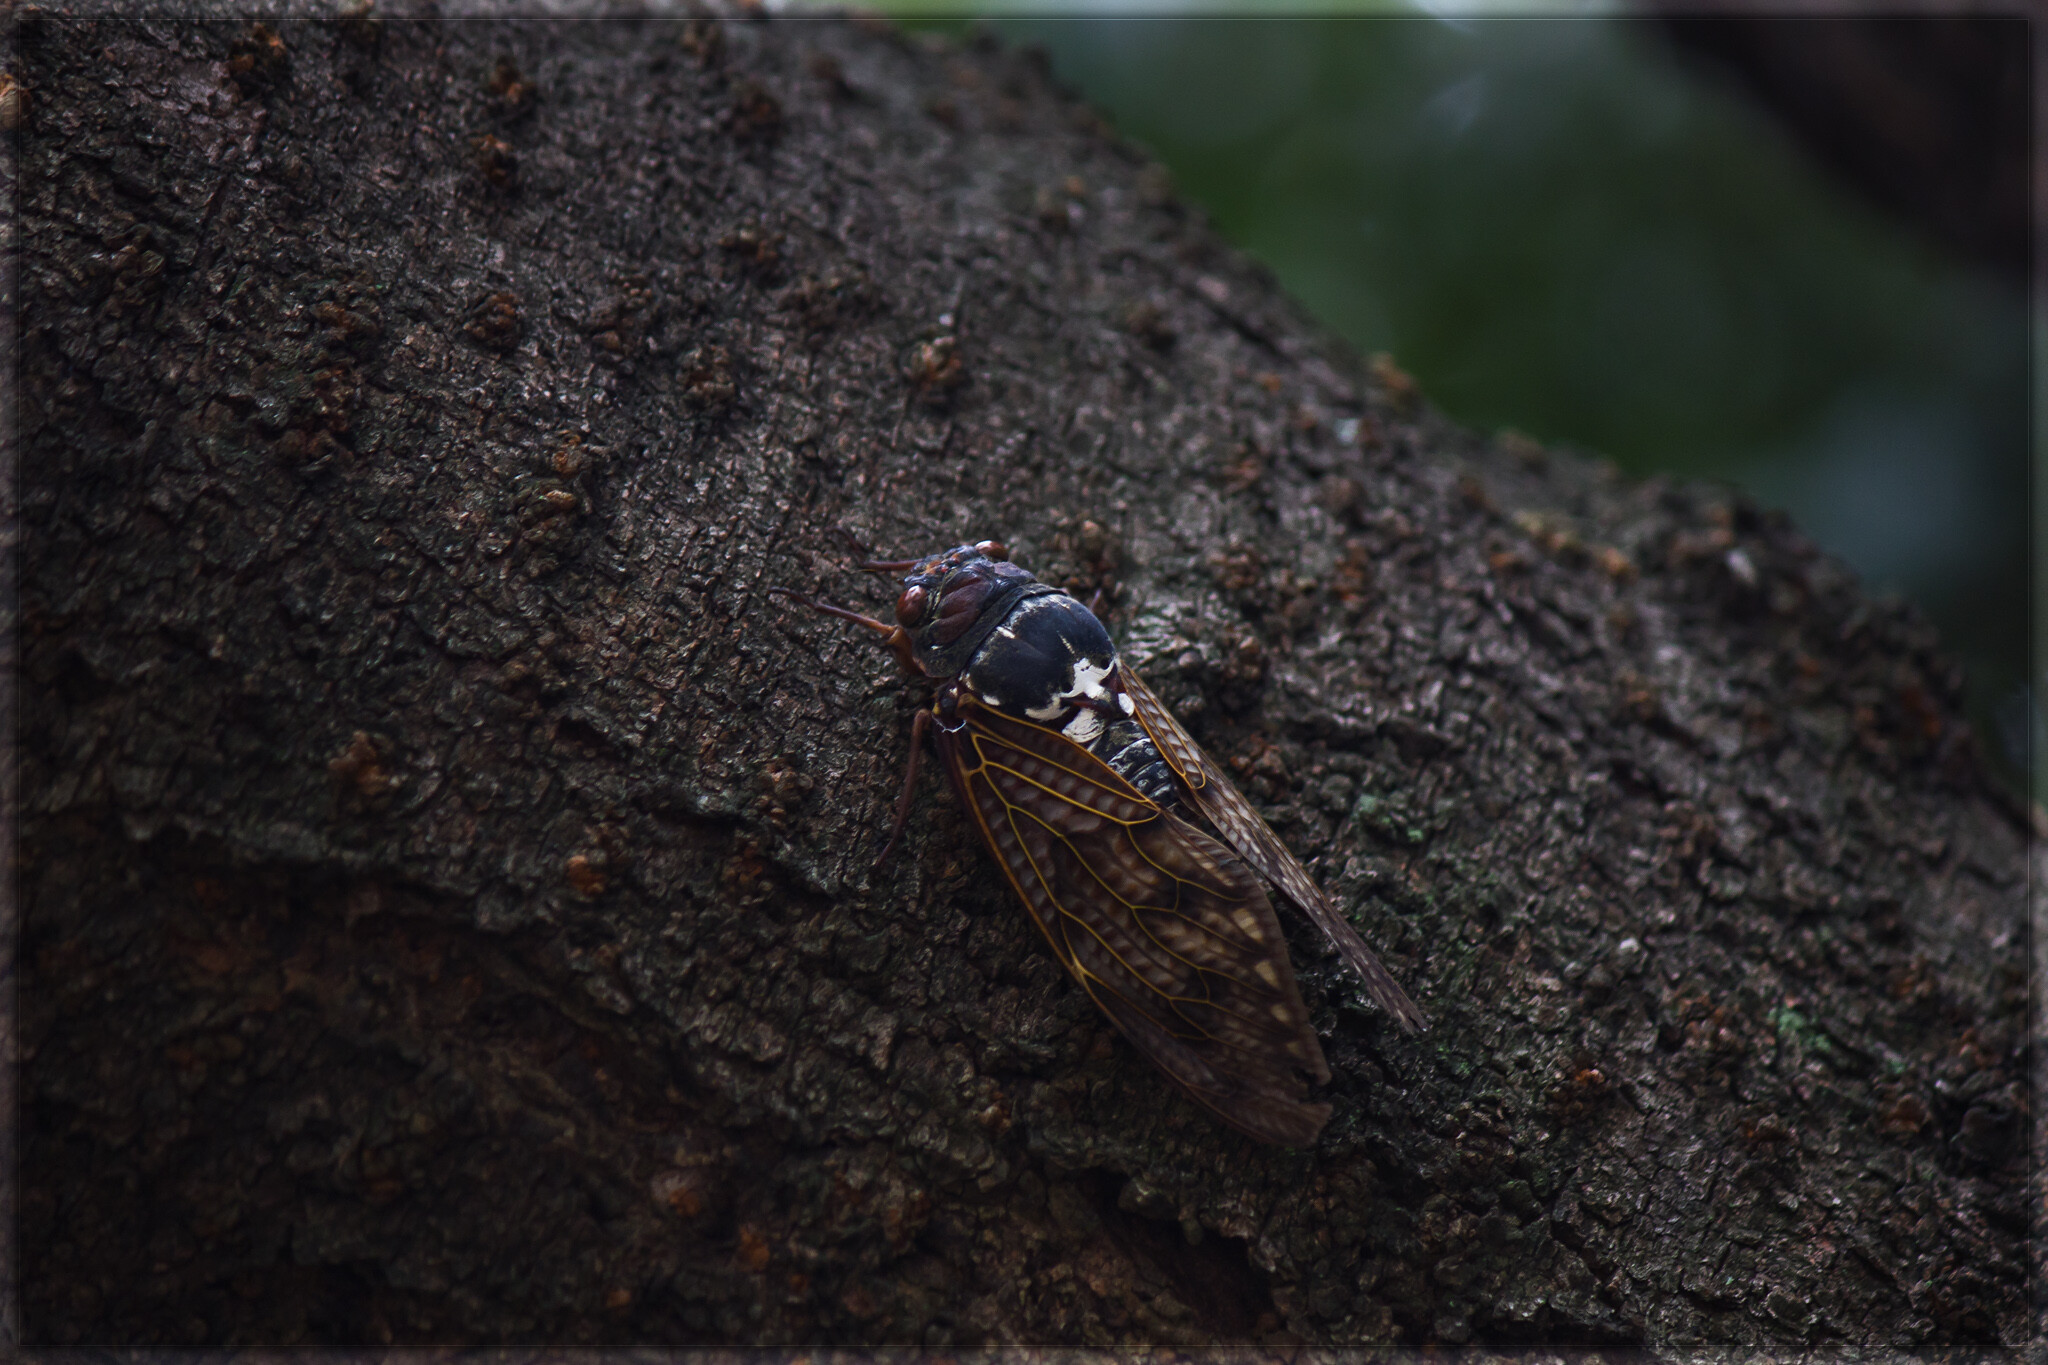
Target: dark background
1787, 255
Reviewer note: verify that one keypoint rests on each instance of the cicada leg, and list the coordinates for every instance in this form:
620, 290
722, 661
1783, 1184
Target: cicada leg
918, 729
895, 637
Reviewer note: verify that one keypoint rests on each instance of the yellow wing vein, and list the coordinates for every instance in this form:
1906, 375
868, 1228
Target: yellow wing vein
987, 763
1046, 882
1081, 971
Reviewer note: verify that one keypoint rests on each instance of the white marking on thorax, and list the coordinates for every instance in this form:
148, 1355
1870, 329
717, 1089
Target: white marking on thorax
1083, 728
1088, 676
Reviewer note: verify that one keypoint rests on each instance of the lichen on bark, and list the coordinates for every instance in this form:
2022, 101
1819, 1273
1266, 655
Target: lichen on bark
448, 909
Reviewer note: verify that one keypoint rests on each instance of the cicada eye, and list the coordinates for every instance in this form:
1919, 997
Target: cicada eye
910, 606
994, 549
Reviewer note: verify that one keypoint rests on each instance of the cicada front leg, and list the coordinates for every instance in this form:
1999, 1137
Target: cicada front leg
895, 637
919, 727
898, 640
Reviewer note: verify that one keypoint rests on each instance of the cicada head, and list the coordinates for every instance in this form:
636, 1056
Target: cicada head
951, 601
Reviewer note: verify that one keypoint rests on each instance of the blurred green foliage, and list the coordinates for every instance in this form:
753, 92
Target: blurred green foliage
1557, 226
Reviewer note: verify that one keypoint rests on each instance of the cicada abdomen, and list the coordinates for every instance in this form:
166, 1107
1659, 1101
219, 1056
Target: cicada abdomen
1141, 864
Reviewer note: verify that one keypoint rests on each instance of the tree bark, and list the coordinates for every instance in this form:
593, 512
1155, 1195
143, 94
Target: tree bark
447, 901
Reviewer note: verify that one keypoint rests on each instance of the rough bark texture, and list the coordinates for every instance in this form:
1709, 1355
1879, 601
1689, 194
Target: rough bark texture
447, 899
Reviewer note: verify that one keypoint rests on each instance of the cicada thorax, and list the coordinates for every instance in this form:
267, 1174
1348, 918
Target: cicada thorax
1030, 651
1049, 661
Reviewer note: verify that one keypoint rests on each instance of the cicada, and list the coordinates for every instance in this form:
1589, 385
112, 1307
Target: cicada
1146, 870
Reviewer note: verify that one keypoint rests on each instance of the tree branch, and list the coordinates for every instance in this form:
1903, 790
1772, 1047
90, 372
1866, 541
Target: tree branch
447, 891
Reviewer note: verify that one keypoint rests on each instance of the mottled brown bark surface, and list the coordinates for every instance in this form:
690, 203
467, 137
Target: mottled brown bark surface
446, 887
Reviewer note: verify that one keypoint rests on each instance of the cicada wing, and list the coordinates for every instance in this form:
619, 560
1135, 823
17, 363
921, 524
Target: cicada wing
1165, 928
1225, 807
